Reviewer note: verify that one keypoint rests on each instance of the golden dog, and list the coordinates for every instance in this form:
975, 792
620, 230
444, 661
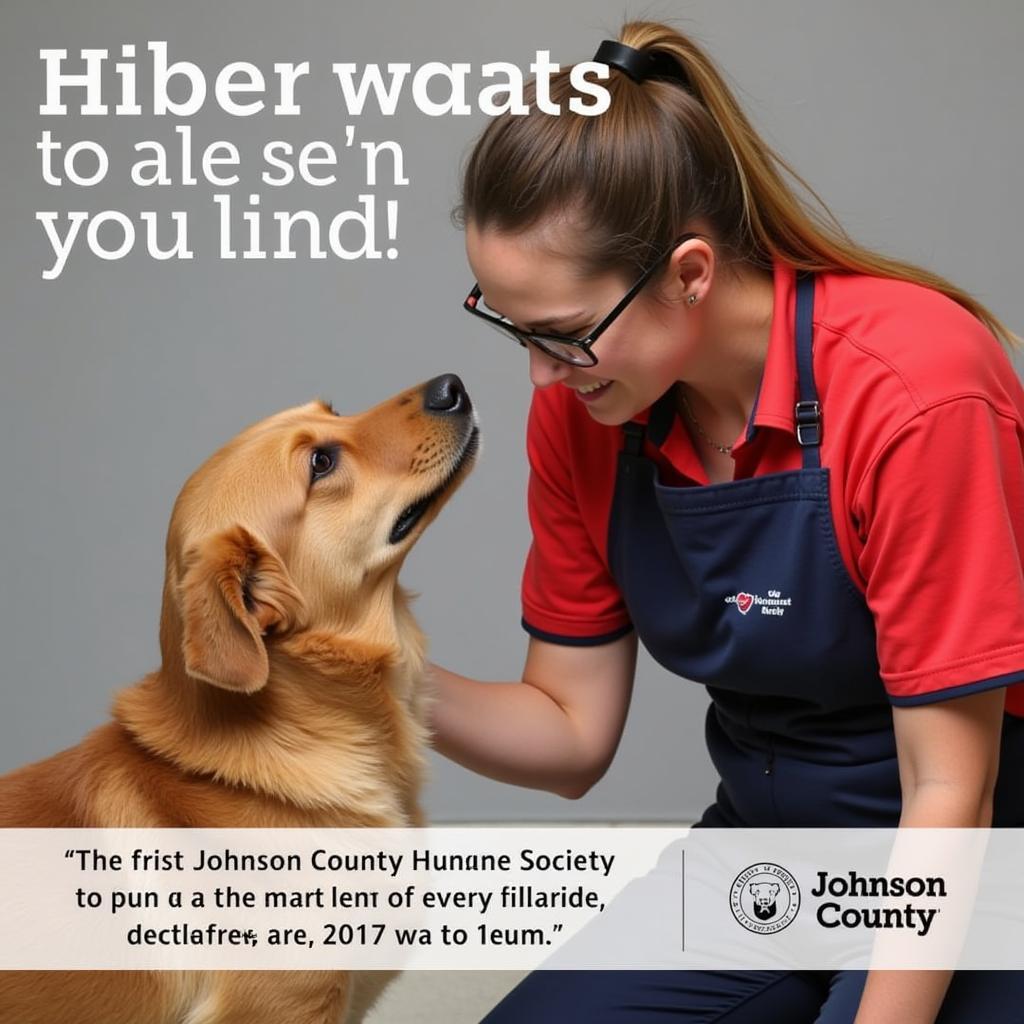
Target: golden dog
288, 694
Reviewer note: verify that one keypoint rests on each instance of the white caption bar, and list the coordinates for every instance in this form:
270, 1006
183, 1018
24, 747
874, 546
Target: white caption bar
511, 899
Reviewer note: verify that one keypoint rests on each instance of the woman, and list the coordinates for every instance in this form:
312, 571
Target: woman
792, 466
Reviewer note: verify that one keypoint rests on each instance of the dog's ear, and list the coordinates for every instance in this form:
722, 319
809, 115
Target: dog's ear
233, 591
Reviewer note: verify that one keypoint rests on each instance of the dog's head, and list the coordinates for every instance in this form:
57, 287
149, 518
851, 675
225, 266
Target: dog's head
300, 524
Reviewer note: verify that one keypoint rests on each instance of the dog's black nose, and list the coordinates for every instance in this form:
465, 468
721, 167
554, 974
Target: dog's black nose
446, 395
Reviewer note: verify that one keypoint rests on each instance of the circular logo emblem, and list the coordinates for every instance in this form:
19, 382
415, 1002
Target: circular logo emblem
764, 898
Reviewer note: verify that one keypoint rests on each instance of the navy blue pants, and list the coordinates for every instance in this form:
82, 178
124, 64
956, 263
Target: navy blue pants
737, 997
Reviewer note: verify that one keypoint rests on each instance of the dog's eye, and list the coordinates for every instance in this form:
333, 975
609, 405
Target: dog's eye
321, 462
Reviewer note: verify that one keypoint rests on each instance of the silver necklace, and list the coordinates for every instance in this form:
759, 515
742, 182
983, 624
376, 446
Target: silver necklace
725, 449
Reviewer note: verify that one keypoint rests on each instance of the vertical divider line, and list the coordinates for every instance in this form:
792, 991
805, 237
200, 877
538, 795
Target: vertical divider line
682, 901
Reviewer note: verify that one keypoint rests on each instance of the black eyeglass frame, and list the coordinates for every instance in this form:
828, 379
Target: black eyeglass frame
541, 338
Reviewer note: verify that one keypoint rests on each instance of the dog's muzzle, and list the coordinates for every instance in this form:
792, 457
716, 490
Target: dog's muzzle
443, 396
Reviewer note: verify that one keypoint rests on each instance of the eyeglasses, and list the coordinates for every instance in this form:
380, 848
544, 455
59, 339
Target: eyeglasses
576, 351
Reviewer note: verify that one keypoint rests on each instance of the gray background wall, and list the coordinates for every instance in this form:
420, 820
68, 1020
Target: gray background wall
120, 377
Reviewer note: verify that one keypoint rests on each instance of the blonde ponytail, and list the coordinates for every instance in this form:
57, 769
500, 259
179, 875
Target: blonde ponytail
779, 222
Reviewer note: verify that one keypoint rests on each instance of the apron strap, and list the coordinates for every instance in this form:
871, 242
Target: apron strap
659, 423
807, 413
663, 414
634, 439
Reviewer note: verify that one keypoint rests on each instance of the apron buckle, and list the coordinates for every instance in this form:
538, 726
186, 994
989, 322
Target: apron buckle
808, 423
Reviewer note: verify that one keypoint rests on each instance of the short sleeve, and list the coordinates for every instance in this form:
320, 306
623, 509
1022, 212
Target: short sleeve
941, 519
569, 596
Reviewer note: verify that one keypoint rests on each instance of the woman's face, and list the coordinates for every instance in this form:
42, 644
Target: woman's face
645, 350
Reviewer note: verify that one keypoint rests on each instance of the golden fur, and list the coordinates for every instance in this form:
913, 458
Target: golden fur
287, 695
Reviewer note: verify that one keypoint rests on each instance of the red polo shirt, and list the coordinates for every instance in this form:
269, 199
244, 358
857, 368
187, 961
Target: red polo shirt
923, 432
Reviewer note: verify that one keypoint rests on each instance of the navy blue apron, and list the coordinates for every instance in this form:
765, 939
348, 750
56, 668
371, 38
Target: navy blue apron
741, 586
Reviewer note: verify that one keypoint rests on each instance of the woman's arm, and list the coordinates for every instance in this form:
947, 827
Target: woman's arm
557, 729
948, 758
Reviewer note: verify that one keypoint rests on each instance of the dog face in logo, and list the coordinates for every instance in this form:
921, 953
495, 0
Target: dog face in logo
764, 894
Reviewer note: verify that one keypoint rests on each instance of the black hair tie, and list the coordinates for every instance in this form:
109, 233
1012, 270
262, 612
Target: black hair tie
640, 65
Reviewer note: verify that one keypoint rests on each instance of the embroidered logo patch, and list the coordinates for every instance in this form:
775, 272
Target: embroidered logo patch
773, 604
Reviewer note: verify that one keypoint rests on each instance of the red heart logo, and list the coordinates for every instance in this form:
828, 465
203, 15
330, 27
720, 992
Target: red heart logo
744, 601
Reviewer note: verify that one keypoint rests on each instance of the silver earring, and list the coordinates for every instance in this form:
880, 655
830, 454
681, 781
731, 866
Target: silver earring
692, 299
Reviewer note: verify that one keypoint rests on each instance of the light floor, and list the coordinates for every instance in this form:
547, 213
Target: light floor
451, 997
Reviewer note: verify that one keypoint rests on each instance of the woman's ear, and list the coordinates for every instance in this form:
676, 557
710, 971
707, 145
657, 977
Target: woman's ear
691, 268
233, 591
